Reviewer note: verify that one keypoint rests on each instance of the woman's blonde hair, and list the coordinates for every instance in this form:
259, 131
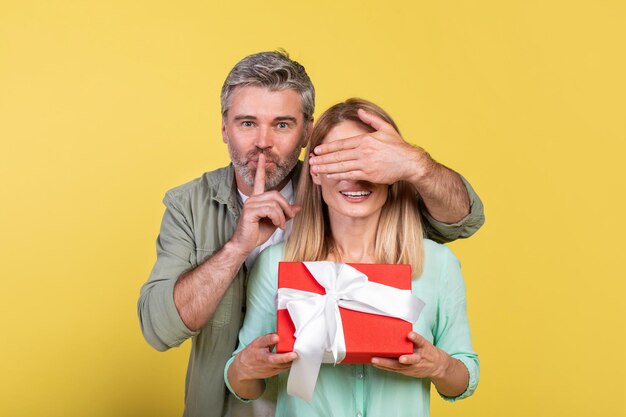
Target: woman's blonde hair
399, 235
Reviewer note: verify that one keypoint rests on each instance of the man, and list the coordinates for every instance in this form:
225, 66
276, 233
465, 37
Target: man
214, 226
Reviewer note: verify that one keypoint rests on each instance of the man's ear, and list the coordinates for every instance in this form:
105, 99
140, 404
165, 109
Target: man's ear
224, 134
309, 129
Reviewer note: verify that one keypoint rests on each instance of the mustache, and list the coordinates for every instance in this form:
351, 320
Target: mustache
269, 156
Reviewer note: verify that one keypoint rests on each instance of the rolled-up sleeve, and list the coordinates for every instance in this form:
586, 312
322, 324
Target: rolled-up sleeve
160, 321
447, 232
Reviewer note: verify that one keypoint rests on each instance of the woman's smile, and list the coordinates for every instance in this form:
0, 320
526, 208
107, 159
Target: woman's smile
355, 196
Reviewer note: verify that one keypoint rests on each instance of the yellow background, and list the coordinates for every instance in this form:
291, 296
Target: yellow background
104, 105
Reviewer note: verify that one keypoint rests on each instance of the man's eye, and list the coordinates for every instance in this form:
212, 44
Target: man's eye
282, 125
247, 124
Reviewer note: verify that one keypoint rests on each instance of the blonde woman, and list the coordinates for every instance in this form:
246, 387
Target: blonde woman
360, 222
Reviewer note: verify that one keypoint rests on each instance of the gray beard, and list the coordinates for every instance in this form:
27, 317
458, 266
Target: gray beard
273, 177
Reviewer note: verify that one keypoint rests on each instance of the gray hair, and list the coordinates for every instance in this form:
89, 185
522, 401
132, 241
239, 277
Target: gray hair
275, 71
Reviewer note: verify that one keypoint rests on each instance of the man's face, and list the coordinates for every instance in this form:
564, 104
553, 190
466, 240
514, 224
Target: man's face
271, 122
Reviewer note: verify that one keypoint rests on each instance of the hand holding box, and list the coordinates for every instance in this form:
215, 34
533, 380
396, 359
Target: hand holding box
332, 312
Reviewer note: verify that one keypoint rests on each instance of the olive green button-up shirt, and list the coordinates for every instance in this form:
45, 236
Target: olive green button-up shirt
199, 219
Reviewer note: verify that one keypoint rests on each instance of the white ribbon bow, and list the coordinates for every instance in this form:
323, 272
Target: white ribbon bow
319, 331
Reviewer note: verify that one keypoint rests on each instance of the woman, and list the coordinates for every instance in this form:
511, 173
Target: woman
361, 222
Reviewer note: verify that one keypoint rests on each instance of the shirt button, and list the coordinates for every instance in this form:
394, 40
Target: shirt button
359, 375
359, 414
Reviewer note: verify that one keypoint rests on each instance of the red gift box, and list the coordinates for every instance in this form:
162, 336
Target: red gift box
367, 335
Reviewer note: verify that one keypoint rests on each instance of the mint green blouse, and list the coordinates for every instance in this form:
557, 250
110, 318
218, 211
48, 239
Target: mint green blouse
362, 390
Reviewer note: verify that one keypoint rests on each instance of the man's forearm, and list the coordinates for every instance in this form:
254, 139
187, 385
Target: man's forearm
198, 292
442, 191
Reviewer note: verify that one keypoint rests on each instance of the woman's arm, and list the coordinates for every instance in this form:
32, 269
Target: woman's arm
450, 363
449, 375
253, 361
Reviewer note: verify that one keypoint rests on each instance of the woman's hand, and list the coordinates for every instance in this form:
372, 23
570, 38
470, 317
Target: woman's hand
449, 375
427, 361
255, 363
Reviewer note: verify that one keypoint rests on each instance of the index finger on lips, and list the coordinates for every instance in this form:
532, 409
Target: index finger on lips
259, 178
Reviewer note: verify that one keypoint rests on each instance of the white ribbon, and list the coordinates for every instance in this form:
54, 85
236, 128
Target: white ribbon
319, 331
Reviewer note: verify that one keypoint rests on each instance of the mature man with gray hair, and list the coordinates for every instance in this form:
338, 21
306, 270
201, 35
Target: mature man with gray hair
215, 226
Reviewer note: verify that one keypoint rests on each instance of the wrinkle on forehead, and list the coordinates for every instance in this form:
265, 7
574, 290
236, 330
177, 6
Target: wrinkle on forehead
263, 104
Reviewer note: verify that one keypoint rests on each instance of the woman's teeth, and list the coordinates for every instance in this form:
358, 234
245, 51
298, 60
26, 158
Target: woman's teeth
355, 194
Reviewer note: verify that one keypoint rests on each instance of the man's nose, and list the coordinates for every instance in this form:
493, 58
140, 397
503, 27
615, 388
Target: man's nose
264, 138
